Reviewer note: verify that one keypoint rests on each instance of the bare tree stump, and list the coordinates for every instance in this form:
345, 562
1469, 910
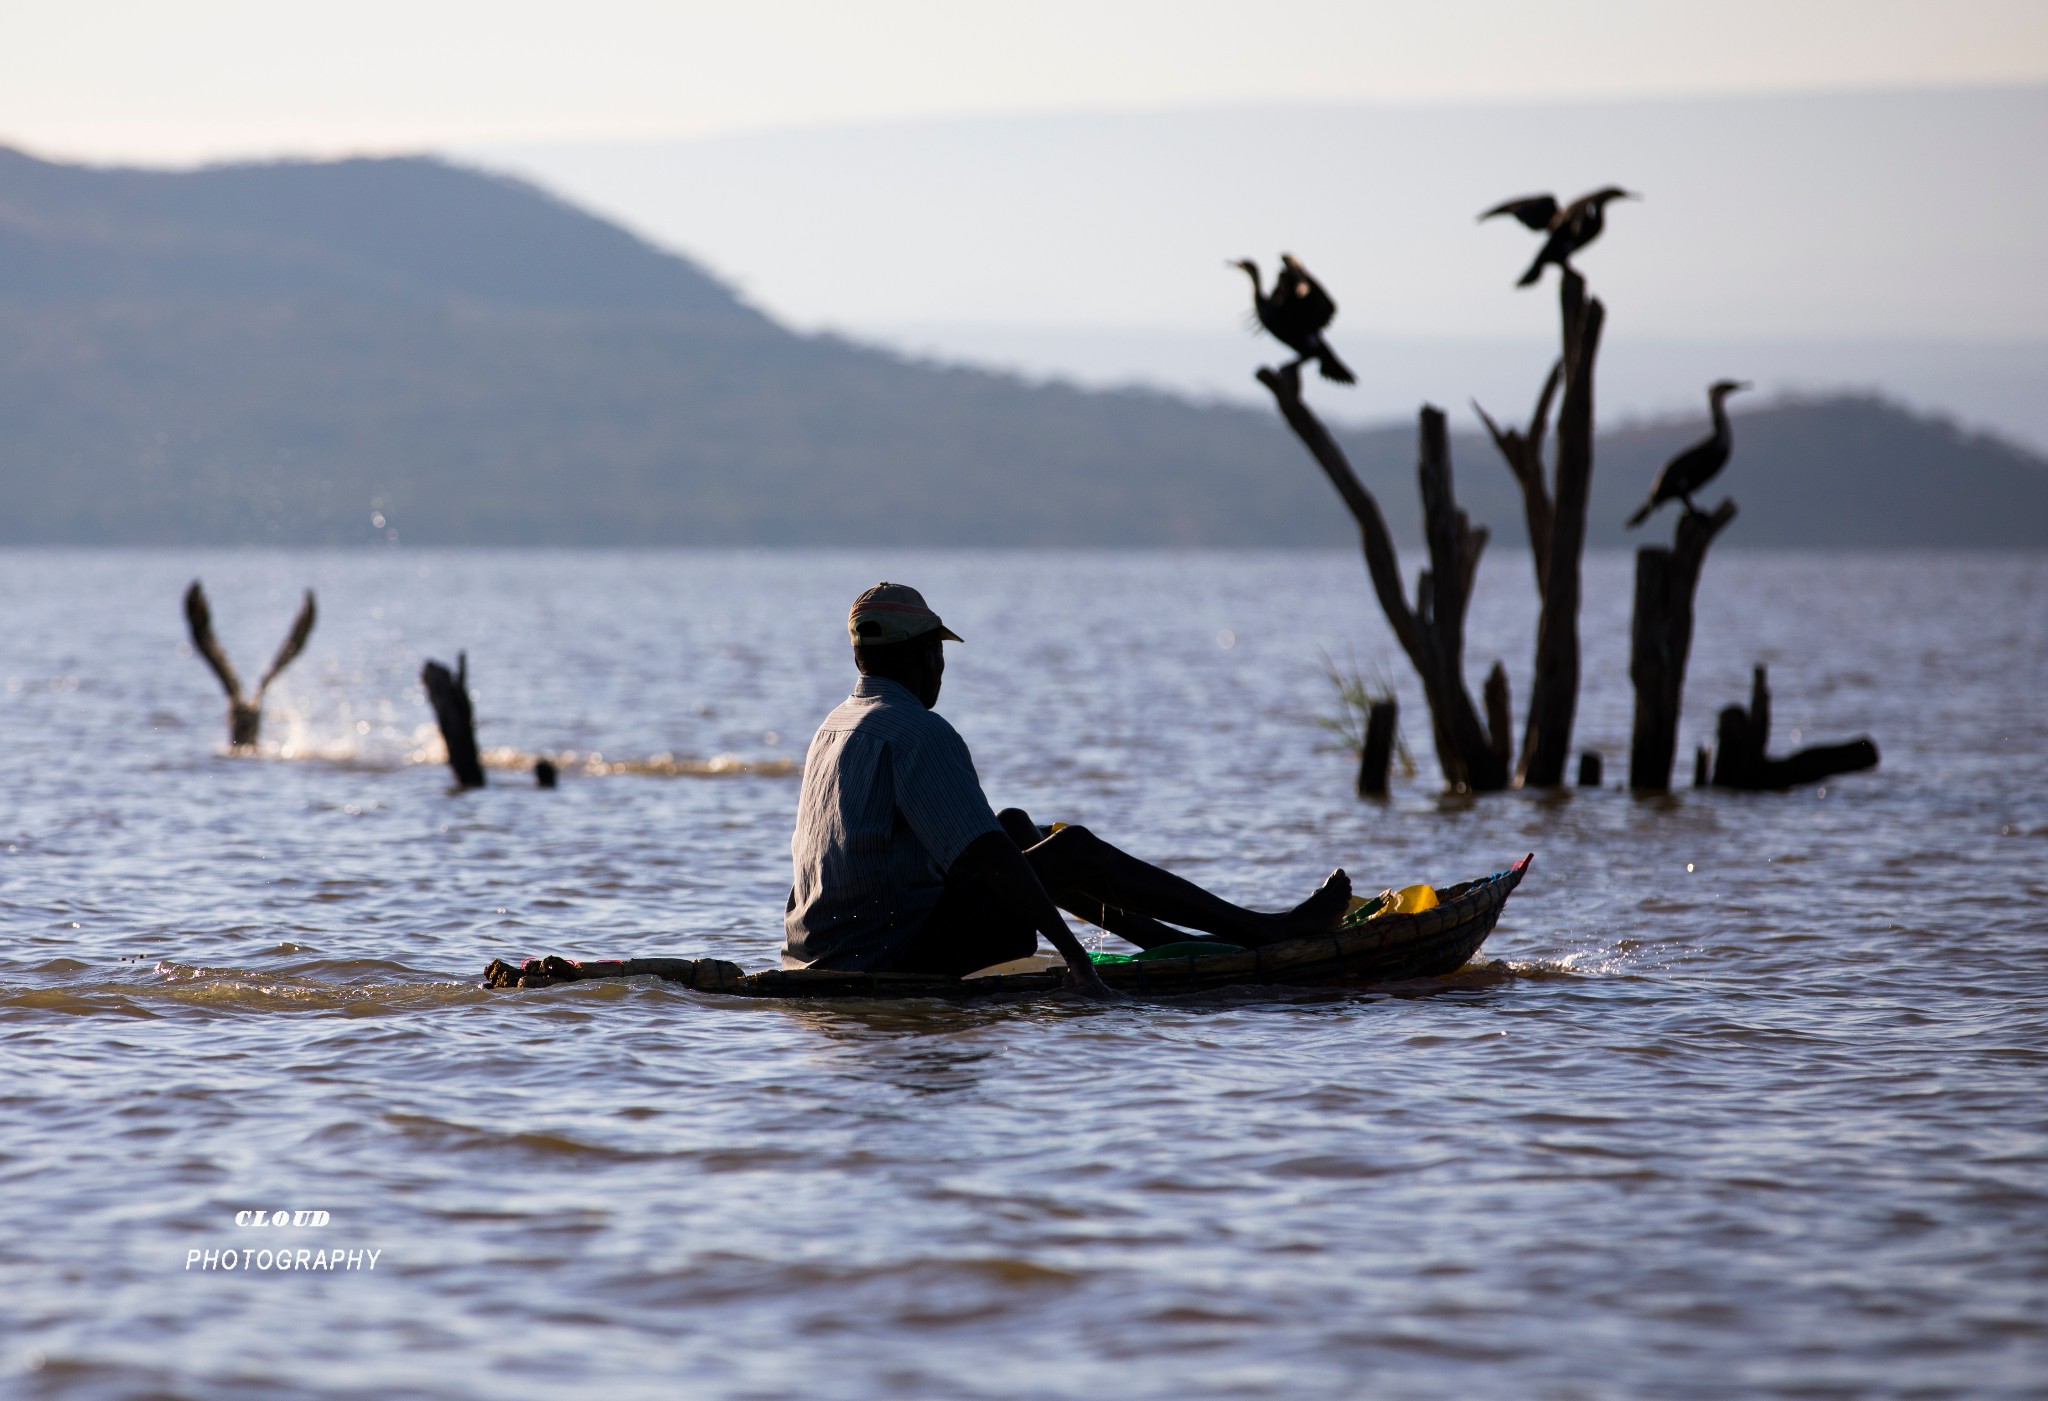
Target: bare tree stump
449, 692
1378, 750
1738, 751
1432, 633
1500, 713
1661, 643
1741, 763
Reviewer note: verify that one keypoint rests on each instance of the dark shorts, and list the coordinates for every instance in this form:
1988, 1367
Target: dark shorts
968, 929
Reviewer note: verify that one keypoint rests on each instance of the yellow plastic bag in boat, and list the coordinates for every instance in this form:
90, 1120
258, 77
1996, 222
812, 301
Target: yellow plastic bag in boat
1408, 900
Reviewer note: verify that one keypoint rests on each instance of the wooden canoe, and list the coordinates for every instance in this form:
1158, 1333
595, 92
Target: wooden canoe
1386, 949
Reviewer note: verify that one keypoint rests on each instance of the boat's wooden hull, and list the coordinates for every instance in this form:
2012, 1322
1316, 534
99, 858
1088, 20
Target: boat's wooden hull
1389, 949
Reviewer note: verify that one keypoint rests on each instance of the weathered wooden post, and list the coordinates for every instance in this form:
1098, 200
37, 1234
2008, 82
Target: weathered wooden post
1590, 773
1557, 530
1661, 643
1378, 750
1432, 633
449, 693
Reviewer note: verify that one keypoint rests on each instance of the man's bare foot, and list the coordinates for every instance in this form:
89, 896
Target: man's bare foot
1319, 914
1088, 984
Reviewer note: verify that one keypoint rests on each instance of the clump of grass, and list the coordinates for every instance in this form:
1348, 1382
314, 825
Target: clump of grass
1356, 696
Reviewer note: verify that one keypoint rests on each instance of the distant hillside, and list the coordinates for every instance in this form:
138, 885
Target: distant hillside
280, 353
382, 231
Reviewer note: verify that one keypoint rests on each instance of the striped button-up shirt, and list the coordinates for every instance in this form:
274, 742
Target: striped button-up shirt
890, 800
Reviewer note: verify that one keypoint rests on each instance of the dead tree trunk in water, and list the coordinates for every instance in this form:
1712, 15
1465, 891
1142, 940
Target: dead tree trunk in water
1432, 633
1378, 750
1557, 531
1740, 761
1661, 642
449, 692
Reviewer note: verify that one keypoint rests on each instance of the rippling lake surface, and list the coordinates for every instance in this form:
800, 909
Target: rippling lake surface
1753, 1104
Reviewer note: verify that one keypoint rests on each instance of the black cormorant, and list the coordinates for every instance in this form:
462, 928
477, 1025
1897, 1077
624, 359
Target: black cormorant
1296, 314
1570, 228
245, 715
1697, 465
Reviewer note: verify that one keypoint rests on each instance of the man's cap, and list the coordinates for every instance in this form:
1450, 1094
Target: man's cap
890, 613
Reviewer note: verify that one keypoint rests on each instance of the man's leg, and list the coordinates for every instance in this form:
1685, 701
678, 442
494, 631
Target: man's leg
969, 929
1142, 930
1131, 898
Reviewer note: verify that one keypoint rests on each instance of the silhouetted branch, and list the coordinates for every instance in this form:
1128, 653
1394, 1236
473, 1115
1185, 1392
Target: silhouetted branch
1524, 456
1380, 560
1432, 633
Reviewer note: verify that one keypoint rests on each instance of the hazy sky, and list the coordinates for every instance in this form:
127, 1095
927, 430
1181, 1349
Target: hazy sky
1851, 214
1851, 240
195, 79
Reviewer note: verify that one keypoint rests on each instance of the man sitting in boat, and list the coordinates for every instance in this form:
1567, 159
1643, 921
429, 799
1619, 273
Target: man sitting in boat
902, 866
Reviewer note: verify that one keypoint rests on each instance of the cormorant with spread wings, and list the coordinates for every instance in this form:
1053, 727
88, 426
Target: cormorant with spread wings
1570, 228
245, 715
1296, 314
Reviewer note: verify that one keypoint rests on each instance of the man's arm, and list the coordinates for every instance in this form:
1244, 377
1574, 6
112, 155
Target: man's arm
993, 857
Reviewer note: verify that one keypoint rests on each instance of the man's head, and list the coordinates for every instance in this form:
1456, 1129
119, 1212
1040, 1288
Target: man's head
896, 637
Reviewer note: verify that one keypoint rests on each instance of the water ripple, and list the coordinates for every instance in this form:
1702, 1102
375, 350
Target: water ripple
1742, 1098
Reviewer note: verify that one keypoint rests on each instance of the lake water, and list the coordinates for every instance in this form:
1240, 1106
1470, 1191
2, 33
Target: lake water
1756, 1107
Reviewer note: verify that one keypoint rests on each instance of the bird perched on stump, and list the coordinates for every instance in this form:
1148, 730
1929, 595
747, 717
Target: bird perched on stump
1697, 465
1296, 314
1570, 228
